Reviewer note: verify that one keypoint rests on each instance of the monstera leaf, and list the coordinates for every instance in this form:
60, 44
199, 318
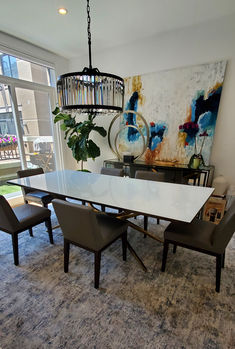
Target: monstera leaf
77, 135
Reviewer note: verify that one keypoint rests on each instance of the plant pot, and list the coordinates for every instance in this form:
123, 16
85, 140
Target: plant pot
195, 161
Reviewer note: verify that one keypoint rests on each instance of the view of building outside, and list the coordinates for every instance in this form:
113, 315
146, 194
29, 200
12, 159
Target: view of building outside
24, 70
35, 121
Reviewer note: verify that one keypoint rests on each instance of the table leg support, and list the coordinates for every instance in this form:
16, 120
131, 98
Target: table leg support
132, 251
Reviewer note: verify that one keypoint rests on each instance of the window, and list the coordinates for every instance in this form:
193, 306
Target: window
9, 66
26, 128
21, 69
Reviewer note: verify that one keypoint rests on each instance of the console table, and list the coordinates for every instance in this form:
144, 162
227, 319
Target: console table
175, 173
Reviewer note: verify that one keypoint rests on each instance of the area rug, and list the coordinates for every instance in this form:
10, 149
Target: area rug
42, 307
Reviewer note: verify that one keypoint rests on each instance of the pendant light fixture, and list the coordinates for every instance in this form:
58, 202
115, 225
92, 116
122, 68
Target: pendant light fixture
90, 91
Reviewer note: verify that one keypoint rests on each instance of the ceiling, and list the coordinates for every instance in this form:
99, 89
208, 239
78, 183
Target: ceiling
113, 22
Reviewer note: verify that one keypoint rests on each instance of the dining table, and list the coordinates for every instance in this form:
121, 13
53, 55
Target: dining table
168, 201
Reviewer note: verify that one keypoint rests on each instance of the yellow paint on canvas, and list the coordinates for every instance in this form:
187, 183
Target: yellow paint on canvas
214, 88
181, 139
127, 82
122, 148
137, 87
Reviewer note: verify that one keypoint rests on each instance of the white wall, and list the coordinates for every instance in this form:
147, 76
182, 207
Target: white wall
10, 44
207, 42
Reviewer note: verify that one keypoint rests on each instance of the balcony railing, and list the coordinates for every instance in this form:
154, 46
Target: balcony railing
8, 152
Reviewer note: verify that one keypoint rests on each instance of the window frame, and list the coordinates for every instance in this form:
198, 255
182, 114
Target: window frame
13, 83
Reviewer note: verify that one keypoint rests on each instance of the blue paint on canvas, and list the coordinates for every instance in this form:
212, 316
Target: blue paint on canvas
157, 132
203, 115
130, 118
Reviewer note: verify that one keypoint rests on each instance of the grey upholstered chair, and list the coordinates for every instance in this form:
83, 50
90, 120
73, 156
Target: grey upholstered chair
16, 220
150, 176
31, 194
204, 237
83, 227
111, 171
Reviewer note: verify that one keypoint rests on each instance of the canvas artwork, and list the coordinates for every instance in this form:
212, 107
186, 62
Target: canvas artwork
180, 107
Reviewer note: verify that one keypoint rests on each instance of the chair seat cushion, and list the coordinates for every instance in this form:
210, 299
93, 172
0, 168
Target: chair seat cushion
57, 196
196, 234
29, 215
110, 228
39, 196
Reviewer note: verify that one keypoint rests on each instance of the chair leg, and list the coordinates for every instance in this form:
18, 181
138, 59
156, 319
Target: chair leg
218, 271
223, 259
66, 255
49, 229
145, 224
164, 256
97, 269
15, 248
158, 221
174, 248
31, 232
124, 245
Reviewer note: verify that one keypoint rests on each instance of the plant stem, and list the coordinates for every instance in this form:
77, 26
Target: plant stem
195, 145
202, 145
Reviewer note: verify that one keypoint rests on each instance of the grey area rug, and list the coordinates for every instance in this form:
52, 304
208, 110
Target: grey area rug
42, 307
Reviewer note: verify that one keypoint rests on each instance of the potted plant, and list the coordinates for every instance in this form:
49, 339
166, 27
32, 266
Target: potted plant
197, 159
8, 146
77, 135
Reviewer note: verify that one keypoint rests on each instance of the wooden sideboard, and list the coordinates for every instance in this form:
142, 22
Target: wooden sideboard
175, 173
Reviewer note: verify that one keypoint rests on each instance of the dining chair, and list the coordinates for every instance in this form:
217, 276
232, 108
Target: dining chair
150, 176
25, 217
32, 195
92, 231
202, 236
111, 171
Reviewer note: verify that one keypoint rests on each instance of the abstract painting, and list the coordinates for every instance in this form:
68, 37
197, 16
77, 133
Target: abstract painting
180, 107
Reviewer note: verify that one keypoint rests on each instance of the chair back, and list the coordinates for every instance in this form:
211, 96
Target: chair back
78, 224
150, 176
118, 172
8, 219
224, 230
28, 173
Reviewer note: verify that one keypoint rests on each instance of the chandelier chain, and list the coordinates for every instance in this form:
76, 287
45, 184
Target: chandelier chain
92, 91
89, 32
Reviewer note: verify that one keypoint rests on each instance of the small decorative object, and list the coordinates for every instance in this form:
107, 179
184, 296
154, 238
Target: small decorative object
77, 135
220, 184
197, 159
140, 128
214, 210
128, 158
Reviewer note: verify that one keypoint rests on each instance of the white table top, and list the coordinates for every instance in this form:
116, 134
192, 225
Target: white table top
166, 200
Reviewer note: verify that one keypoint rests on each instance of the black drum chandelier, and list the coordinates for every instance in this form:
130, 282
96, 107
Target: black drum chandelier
90, 91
